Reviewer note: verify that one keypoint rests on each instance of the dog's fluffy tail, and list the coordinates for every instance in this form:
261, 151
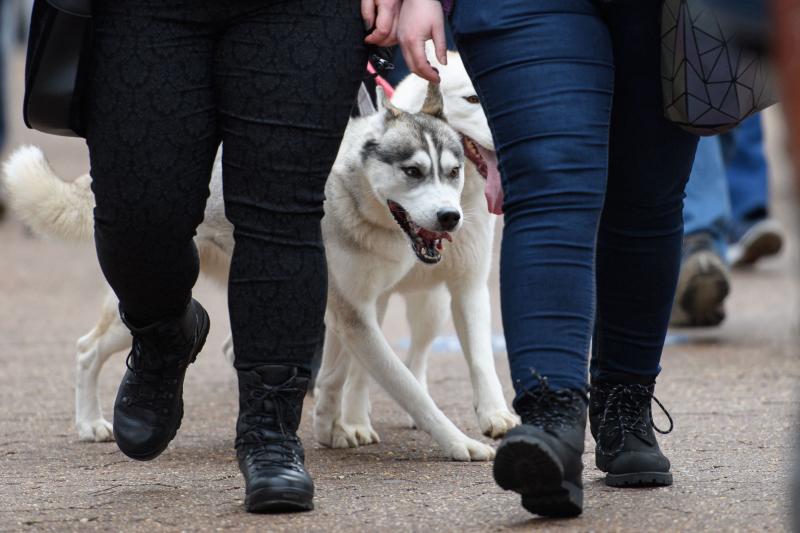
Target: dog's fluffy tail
46, 203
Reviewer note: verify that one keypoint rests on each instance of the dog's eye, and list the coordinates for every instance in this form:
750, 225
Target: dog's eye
472, 99
454, 172
412, 172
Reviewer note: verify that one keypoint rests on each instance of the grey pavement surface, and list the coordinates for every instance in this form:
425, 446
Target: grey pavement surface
731, 390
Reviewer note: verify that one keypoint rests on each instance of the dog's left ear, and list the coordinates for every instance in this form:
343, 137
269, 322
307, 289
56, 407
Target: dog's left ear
433, 105
385, 105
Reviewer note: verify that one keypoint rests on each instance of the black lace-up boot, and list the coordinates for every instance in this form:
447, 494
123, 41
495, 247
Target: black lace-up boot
541, 459
622, 424
269, 451
149, 405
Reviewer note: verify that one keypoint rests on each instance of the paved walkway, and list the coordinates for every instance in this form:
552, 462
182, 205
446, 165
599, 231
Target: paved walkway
731, 390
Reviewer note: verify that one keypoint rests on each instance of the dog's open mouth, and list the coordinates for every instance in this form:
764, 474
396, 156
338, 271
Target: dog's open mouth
426, 244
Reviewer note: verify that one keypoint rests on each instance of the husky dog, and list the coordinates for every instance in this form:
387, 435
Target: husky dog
409, 178
416, 161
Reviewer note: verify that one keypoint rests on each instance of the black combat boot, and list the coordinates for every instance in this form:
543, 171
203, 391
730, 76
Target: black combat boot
149, 405
622, 425
269, 451
541, 459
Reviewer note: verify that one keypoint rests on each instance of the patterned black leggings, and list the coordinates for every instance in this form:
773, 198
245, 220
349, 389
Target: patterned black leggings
274, 80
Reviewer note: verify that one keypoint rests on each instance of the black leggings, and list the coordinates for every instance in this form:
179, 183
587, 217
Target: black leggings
171, 79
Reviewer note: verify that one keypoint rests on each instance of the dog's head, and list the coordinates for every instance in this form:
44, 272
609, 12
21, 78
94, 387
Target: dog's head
414, 163
461, 105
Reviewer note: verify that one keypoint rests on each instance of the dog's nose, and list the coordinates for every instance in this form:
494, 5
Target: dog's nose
448, 220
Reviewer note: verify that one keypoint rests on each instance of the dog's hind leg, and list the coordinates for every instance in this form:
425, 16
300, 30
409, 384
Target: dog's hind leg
360, 332
227, 350
328, 393
108, 337
215, 264
426, 313
471, 306
354, 427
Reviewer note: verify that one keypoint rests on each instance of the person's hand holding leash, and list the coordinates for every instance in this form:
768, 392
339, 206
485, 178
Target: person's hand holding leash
380, 16
419, 21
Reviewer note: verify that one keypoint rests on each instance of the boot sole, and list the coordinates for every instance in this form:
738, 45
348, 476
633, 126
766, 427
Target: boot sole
701, 295
640, 479
763, 240
526, 465
204, 329
270, 500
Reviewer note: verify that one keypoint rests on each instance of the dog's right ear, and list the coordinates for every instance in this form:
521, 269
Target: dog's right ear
433, 104
385, 105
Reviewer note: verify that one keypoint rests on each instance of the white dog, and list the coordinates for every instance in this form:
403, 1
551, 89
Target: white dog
369, 260
371, 254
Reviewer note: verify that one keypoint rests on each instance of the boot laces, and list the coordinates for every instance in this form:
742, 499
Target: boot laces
150, 374
628, 411
545, 407
281, 398
280, 453
265, 451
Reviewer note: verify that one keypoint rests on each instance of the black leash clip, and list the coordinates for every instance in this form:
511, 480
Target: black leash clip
380, 58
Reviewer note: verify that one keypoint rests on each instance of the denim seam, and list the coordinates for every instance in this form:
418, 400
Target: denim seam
588, 345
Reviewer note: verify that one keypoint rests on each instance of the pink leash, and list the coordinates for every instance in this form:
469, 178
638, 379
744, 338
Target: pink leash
387, 87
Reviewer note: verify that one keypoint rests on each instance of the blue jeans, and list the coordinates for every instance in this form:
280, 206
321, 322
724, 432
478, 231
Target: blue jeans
743, 150
728, 186
707, 208
593, 177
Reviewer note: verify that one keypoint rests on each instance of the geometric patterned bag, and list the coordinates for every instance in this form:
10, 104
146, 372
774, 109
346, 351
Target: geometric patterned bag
709, 83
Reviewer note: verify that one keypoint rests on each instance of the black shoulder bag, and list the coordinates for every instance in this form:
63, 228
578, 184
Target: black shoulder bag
710, 83
56, 66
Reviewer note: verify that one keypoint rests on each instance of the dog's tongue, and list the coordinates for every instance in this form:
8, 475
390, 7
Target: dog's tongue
494, 189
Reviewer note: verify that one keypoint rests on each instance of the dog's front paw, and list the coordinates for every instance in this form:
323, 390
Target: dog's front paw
353, 435
468, 449
99, 430
496, 424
